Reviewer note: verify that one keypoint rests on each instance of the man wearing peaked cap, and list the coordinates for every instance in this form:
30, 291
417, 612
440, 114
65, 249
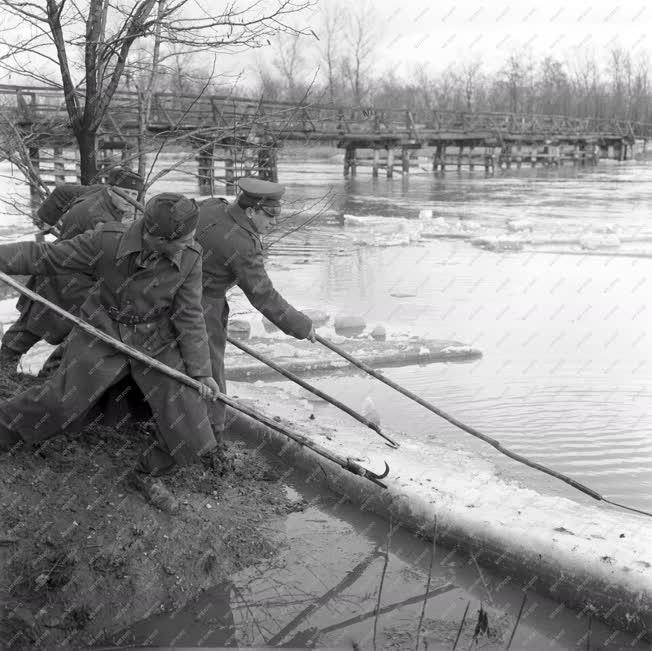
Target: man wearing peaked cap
255, 191
147, 293
83, 207
230, 236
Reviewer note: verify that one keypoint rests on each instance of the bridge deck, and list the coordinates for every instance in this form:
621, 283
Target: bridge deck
229, 119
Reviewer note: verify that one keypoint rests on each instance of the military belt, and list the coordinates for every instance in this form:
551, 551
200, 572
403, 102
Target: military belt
135, 319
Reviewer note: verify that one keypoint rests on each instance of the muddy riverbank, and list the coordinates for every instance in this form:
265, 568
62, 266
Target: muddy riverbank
82, 555
262, 552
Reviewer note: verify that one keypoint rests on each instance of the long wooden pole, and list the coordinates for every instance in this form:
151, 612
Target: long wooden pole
291, 376
345, 462
451, 419
311, 388
471, 430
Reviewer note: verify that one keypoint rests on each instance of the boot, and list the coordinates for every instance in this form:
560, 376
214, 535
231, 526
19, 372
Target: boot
153, 490
53, 362
218, 460
9, 359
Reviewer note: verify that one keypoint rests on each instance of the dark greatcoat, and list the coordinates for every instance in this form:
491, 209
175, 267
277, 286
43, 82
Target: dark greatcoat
68, 290
233, 254
167, 292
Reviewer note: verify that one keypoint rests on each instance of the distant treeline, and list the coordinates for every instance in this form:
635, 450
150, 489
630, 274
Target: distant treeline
616, 88
339, 67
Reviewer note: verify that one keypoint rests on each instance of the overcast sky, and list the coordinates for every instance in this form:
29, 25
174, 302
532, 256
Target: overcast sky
447, 31
440, 33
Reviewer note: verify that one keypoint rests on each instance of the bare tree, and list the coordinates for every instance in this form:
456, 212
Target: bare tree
516, 80
619, 64
329, 34
445, 90
470, 74
425, 88
584, 80
103, 33
269, 85
289, 61
361, 40
640, 110
145, 88
553, 88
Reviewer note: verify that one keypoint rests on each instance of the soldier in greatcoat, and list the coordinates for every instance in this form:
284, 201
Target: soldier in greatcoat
147, 294
84, 208
230, 236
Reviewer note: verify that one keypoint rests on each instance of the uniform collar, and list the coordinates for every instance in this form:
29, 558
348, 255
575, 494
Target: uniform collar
132, 242
176, 258
240, 217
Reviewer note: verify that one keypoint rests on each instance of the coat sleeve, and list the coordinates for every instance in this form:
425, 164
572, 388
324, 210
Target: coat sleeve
247, 265
78, 254
188, 320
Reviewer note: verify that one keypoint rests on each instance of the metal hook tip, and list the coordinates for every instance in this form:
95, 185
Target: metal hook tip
385, 473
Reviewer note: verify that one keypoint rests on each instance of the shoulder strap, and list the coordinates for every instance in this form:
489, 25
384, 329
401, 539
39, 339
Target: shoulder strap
196, 247
113, 227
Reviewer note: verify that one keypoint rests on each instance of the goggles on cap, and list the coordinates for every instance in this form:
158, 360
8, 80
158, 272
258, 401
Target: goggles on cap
271, 211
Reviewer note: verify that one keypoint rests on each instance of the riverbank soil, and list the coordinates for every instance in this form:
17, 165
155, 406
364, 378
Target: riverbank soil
82, 555
256, 555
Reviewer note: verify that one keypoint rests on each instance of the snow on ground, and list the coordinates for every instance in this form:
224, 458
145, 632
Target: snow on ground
465, 492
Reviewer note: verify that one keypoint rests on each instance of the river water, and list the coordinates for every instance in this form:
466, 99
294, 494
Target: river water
566, 372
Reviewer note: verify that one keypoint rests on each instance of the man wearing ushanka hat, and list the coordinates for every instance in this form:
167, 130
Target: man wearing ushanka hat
230, 236
86, 207
147, 293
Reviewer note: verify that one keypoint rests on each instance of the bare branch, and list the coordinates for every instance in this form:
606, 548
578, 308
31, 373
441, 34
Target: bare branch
70, 96
137, 27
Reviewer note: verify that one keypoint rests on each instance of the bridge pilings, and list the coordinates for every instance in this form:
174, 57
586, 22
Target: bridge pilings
487, 153
350, 162
239, 158
388, 158
56, 161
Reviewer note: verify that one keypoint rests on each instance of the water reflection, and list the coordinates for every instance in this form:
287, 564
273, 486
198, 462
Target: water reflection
323, 589
566, 373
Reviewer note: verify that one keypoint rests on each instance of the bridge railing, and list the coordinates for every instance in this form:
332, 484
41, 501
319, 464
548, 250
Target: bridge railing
224, 115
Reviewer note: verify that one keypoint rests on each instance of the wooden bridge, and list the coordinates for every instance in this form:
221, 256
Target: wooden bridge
222, 128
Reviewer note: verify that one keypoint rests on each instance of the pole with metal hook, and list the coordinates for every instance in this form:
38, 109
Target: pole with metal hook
345, 462
474, 432
309, 387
